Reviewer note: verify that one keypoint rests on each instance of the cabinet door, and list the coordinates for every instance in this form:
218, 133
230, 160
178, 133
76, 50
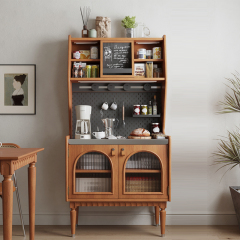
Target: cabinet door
93, 171
143, 172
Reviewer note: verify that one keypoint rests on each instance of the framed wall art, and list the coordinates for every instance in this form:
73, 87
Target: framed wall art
18, 89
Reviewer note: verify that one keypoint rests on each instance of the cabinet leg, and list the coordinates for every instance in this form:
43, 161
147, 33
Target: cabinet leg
157, 215
73, 221
163, 221
77, 210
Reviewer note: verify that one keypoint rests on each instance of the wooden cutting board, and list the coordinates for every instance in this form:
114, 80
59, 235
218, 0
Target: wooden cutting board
135, 137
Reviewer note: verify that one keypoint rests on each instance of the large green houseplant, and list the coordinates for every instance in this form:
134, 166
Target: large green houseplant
228, 153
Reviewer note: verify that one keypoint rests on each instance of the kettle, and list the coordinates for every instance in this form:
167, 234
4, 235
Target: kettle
109, 125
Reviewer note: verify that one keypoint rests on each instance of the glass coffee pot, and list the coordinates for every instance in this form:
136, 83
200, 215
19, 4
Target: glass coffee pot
109, 125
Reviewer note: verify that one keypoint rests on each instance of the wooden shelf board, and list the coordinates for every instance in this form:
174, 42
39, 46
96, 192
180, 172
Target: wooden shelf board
146, 116
85, 60
130, 170
119, 79
148, 60
117, 39
92, 171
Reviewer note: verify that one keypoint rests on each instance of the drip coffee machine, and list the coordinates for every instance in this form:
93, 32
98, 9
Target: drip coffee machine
83, 124
109, 125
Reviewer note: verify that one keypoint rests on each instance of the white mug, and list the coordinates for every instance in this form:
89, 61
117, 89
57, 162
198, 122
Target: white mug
99, 135
105, 106
113, 106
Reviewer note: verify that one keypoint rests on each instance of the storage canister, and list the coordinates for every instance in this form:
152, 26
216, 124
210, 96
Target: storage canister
155, 128
156, 53
149, 54
76, 55
94, 71
143, 109
141, 54
156, 72
88, 71
94, 52
149, 69
136, 109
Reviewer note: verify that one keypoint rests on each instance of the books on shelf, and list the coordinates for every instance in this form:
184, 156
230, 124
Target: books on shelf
143, 160
93, 161
142, 184
93, 184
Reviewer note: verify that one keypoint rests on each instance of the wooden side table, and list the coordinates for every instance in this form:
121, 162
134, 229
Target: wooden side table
10, 160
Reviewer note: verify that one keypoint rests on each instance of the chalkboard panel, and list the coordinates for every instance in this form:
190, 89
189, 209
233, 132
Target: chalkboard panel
117, 59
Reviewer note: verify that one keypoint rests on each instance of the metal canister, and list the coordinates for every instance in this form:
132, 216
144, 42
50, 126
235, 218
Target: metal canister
143, 109
88, 71
156, 53
94, 71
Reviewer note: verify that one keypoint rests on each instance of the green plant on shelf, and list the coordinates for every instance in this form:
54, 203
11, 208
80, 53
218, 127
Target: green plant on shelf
129, 22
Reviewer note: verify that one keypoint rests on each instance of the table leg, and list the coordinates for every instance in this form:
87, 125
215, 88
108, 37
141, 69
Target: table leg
163, 221
77, 211
32, 197
73, 221
157, 215
7, 202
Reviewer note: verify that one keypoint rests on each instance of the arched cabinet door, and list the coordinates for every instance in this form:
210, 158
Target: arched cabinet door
143, 171
93, 171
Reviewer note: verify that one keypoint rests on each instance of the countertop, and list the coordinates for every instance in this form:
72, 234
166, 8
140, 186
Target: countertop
118, 142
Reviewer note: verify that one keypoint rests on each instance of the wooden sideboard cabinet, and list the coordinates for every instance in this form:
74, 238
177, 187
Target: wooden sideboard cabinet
118, 175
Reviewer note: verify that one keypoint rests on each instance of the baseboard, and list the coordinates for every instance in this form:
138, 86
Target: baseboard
126, 218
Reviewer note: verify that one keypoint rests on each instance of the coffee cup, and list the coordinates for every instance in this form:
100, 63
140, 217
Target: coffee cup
99, 135
105, 106
113, 106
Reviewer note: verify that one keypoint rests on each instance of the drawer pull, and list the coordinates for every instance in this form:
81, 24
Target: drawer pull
122, 152
113, 152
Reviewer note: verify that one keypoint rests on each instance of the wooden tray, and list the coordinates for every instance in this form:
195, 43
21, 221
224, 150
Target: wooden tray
135, 137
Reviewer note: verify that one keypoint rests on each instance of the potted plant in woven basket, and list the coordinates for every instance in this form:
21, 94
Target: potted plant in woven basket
228, 153
129, 24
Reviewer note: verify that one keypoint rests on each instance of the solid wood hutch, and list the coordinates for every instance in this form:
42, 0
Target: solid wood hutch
122, 172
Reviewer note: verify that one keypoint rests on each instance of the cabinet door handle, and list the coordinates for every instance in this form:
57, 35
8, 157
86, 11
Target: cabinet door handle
113, 152
122, 152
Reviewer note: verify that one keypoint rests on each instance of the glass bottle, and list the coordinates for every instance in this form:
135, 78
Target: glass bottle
154, 105
150, 108
80, 71
74, 71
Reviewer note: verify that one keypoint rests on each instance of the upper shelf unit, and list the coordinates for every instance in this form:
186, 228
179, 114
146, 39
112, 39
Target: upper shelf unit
116, 59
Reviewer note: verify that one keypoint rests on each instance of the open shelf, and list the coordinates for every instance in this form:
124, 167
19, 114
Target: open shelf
92, 171
148, 60
119, 79
85, 60
146, 116
142, 170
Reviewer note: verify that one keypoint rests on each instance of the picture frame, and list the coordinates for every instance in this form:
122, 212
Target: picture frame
17, 89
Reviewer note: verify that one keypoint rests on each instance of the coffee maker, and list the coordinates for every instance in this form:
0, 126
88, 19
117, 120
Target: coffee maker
83, 124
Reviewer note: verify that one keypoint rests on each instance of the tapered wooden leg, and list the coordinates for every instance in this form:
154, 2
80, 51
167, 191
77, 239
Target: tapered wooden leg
32, 198
73, 221
157, 215
163, 221
7, 202
77, 210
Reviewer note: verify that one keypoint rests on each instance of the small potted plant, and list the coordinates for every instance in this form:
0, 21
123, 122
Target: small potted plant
129, 24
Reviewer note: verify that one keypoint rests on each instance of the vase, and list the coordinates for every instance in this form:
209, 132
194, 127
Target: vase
236, 201
129, 32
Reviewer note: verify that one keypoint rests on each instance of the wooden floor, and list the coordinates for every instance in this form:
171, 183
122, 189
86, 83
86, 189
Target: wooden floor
131, 232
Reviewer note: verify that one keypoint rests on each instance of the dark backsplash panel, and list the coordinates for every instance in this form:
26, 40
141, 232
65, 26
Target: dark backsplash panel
96, 99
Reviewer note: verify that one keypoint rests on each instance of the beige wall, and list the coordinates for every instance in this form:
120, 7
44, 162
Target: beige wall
203, 48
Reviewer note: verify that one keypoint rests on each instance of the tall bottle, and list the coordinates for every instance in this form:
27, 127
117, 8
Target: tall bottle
150, 108
154, 105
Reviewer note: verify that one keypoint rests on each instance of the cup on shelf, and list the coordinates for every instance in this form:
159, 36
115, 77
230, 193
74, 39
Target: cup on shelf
99, 135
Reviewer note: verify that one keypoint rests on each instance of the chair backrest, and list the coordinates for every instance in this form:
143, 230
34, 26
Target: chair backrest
10, 145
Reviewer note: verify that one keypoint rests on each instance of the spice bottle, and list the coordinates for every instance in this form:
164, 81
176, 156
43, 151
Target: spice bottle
75, 71
149, 108
154, 105
80, 71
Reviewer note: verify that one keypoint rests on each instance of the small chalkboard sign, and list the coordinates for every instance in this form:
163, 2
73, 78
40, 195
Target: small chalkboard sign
117, 58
